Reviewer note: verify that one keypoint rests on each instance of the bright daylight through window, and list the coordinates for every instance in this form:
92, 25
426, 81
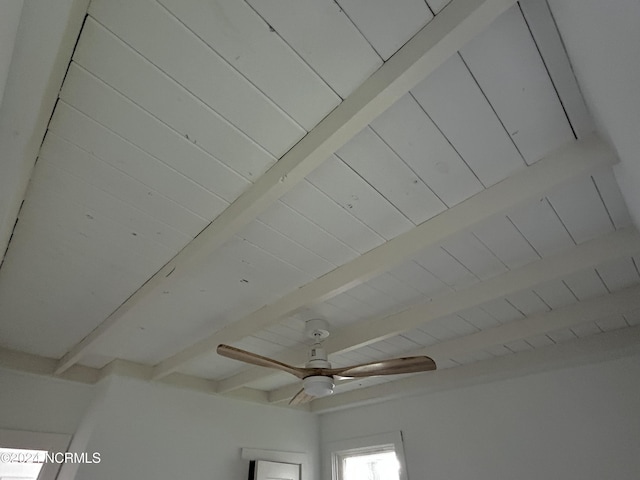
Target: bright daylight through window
375, 457
371, 466
20, 463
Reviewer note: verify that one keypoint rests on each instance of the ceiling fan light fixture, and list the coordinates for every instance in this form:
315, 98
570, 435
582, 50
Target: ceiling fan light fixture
318, 385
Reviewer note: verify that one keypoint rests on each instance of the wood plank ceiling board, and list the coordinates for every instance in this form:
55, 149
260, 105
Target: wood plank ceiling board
236, 280
97, 262
352, 192
446, 268
541, 227
144, 25
412, 135
528, 303
474, 256
612, 197
301, 230
555, 294
618, 274
586, 329
317, 207
374, 161
514, 281
505, 241
106, 57
387, 26
585, 284
506, 64
413, 62
157, 176
83, 201
455, 103
279, 245
95, 99
611, 323
581, 210
297, 296
63, 155
330, 44
501, 310
420, 278
479, 318
437, 5
239, 35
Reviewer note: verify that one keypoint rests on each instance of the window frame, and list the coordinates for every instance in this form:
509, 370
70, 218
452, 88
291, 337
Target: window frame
370, 444
50, 442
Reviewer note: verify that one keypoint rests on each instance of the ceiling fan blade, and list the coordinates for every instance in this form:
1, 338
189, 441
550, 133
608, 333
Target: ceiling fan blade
301, 398
386, 367
255, 359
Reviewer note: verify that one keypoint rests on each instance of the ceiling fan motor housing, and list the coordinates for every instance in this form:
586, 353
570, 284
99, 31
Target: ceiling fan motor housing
318, 385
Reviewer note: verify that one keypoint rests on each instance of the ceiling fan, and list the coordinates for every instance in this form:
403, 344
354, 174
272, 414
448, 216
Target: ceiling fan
317, 375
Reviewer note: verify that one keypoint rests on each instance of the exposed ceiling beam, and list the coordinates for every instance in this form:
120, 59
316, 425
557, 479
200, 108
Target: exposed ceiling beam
44, 366
565, 164
583, 256
583, 351
451, 29
591, 310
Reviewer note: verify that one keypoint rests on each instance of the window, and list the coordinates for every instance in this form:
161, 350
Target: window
378, 457
25, 447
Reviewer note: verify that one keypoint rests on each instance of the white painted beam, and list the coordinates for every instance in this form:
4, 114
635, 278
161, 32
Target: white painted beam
458, 23
44, 366
573, 161
583, 351
586, 255
591, 310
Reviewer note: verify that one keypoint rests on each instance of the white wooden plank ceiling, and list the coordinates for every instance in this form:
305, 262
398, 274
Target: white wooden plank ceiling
171, 110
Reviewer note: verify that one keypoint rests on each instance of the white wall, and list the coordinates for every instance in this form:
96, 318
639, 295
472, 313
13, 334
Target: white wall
579, 423
148, 431
38, 404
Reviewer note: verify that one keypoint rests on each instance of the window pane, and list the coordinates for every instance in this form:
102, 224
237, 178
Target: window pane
372, 466
21, 464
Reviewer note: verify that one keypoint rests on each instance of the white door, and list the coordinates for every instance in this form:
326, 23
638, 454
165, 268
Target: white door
276, 471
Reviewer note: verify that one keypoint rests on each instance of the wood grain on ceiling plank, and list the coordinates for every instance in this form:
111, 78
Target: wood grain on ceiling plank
387, 26
330, 44
374, 161
581, 210
239, 35
318, 208
506, 64
612, 197
618, 274
106, 57
455, 103
297, 296
405, 66
440, 330
144, 25
95, 99
77, 128
79, 163
340, 182
412, 135
290, 223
